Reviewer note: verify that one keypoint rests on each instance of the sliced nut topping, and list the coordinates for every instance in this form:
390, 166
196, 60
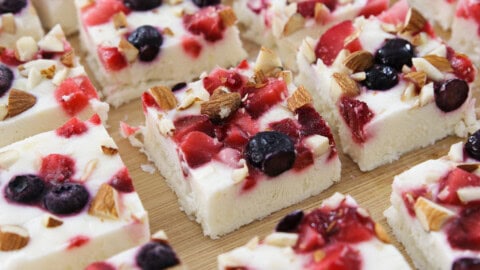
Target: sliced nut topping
175, 2
163, 97
221, 104
89, 168
441, 63
227, 16
268, 62
25, 48
259, 78
48, 72
286, 75
431, 215
348, 86
427, 94
307, 49
359, 61
321, 12
8, 158
128, 50
34, 78
50, 221
167, 31
51, 43
105, 203
414, 21
8, 23
165, 125
381, 233
410, 92
421, 64
469, 167
119, 20
109, 151
19, 101
299, 98
13, 237
359, 76
469, 194
192, 96
60, 76
419, 78
68, 58
294, 23
159, 236
280, 239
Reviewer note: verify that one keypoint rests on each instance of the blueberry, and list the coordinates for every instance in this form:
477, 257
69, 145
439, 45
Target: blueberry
450, 94
380, 77
395, 53
147, 39
204, 3
66, 198
12, 6
472, 146
466, 264
155, 255
271, 151
6, 78
26, 188
142, 5
290, 222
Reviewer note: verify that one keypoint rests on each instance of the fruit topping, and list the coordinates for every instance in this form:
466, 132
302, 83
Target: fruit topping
12, 6
187, 124
307, 7
466, 264
339, 257
290, 222
395, 53
26, 188
464, 231
191, 46
462, 66
221, 77
356, 115
472, 146
261, 99
198, 148
142, 5
147, 39
100, 266
6, 78
156, 255
102, 11
380, 77
206, 22
121, 181
374, 7
450, 94
66, 198
258, 5
271, 151
333, 41
77, 241
57, 168
73, 127
455, 180
74, 94
111, 58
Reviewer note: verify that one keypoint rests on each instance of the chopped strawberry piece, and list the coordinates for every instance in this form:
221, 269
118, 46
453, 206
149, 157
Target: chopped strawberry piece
258, 5
307, 7
243, 65
191, 46
469, 9
333, 41
260, 100
102, 11
198, 148
77, 241
303, 159
95, 119
245, 122
309, 239
356, 115
235, 138
462, 66
396, 13
100, 266
287, 126
455, 180
74, 126
464, 231
339, 257
409, 198
126, 130
122, 181
111, 58
221, 77
8, 58
312, 123
374, 7
73, 94
187, 124
148, 101
57, 168
206, 22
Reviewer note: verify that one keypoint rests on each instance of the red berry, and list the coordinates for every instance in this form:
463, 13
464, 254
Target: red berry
307, 7
95, 119
121, 181
198, 148
8, 57
77, 241
206, 22
74, 126
243, 65
260, 100
57, 168
111, 58
333, 41
464, 231
373, 8
409, 198
102, 11
73, 94
100, 266
187, 124
455, 180
312, 123
462, 66
396, 13
356, 115
221, 77
309, 239
148, 101
339, 257
303, 159
191, 46
258, 5
287, 126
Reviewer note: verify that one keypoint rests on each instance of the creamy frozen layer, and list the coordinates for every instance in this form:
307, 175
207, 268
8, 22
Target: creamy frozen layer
440, 12
42, 86
465, 36
67, 200
435, 211
388, 89
337, 234
283, 25
156, 254
166, 44
53, 12
18, 18
239, 144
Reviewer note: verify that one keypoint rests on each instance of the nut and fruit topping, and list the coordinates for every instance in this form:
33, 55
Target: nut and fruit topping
414, 21
163, 97
380, 77
110, 151
66, 198
347, 85
52, 222
25, 189
19, 101
105, 203
395, 53
299, 98
13, 237
432, 216
221, 105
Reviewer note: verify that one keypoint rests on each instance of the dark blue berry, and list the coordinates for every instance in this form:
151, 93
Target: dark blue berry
466, 264
450, 94
6, 78
12, 6
380, 77
66, 198
26, 188
155, 255
147, 39
472, 146
142, 5
290, 222
271, 151
204, 3
395, 53
179, 86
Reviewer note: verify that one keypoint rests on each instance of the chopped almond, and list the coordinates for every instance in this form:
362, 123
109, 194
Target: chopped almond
359, 61
119, 20
8, 23
294, 23
228, 16
299, 98
221, 104
68, 58
163, 97
441, 63
109, 151
19, 101
432, 216
348, 86
52, 222
13, 237
105, 203
414, 21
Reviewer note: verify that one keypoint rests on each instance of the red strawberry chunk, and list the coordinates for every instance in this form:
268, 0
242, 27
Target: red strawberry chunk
462, 66
356, 115
409, 198
374, 7
198, 148
455, 180
73, 94
309, 239
77, 241
469, 9
333, 41
303, 159
230, 156
206, 22
221, 77
148, 101
57, 168
464, 232
121, 181
187, 124
260, 100
111, 58
307, 7
95, 119
235, 138
100, 266
191, 46
339, 257
74, 126
102, 11
287, 126
8, 57
396, 13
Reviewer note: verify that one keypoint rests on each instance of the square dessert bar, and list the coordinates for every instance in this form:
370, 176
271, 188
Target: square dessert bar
53, 12
239, 144
282, 25
18, 18
138, 44
337, 235
388, 88
156, 254
42, 85
67, 200
465, 30
435, 209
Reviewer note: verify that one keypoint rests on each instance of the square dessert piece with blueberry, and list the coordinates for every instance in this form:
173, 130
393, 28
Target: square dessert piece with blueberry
282, 25
18, 18
337, 235
42, 85
53, 12
67, 200
435, 209
388, 86
239, 144
134, 45
153, 255
465, 29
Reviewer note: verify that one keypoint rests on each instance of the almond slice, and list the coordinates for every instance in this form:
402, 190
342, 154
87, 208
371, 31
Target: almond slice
431, 215
348, 86
268, 62
221, 104
299, 98
167, 31
381, 233
163, 97
119, 20
414, 21
419, 78
281, 239
68, 58
25, 48
19, 101
50, 221
294, 23
105, 203
160, 236
469, 167
13, 237
48, 72
3, 111
8, 23
359, 61
109, 151
321, 13
128, 50
441, 63
227, 16
286, 75
88, 170
469, 194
